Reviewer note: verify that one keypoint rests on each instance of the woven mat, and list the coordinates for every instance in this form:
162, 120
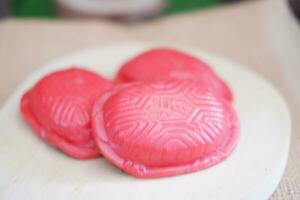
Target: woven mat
248, 33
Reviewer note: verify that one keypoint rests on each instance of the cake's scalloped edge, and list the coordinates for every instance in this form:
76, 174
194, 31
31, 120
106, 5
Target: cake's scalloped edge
73, 150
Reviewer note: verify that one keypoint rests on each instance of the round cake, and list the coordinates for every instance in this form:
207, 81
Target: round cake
164, 128
59, 106
162, 64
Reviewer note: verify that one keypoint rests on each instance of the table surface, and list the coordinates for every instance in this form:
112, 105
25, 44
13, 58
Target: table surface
249, 33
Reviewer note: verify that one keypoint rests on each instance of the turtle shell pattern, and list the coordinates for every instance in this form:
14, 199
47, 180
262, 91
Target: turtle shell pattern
59, 109
164, 128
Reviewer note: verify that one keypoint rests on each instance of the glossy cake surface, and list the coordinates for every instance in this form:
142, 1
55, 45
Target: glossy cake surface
58, 108
164, 128
162, 64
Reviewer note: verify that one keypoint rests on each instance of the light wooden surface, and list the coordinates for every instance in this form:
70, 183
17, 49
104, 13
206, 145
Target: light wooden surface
251, 172
251, 33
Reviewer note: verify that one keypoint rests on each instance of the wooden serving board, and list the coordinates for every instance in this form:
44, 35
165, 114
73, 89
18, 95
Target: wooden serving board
30, 169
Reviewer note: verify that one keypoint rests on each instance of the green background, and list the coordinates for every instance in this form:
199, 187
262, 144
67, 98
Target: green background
45, 8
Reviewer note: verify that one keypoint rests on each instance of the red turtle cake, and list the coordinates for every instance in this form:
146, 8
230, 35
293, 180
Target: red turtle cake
166, 128
59, 106
161, 64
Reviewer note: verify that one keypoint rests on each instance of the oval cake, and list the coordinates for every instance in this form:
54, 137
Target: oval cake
165, 128
59, 107
162, 64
